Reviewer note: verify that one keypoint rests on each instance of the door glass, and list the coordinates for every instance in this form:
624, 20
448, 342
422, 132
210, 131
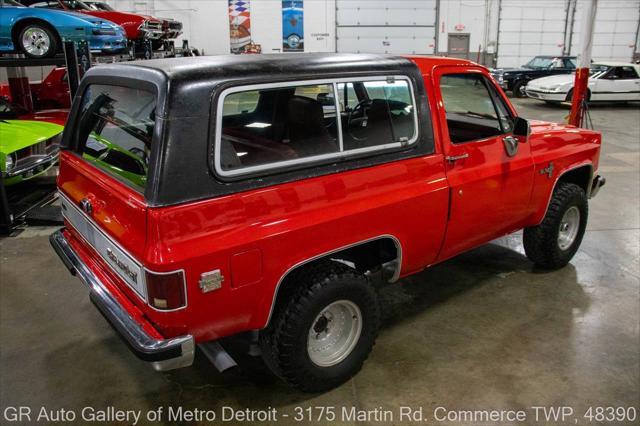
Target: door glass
626, 73
506, 119
376, 113
469, 108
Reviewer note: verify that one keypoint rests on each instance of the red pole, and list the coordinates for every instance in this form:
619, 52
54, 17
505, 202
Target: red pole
581, 81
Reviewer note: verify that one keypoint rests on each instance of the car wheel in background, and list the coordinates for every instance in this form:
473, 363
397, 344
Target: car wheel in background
38, 41
569, 97
293, 41
322, 332
518, 89
552, 243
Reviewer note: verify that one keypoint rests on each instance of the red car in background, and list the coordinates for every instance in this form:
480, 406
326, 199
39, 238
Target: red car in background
52, 92
9, 111
137, 27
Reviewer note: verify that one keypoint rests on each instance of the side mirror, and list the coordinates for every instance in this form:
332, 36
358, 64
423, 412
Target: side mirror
521, 127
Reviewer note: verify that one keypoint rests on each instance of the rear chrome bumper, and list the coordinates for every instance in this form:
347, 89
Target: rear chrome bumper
598, 182
163, 354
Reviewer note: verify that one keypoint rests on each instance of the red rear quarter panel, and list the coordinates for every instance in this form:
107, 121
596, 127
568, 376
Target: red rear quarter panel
281, 226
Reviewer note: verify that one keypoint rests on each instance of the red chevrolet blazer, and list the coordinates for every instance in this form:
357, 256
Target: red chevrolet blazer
206, 197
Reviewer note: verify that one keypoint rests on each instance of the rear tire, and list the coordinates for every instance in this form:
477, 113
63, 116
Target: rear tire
554, 242
38, 41
321, 334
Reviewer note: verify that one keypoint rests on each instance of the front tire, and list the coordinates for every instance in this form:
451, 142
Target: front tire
37, 41
569, 97
321, 334
518, 89
554, 242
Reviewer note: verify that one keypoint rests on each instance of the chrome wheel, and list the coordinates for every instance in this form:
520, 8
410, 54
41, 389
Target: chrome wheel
293, 41
569, 226
334, 333
36, 42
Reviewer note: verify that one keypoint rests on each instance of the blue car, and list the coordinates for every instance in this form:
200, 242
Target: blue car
38, 33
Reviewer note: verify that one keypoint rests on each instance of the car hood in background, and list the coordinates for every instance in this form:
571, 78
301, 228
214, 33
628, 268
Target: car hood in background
121, 17
552, 80
512, 70
18, 134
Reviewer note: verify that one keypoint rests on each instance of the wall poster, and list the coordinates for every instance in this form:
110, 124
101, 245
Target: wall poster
239, 24
292, 26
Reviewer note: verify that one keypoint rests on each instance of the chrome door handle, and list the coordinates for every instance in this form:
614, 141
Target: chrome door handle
454, 158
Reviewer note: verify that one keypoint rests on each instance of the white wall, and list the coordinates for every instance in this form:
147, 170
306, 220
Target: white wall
530, 28
206, 22
614, 36
474, 15
382, 26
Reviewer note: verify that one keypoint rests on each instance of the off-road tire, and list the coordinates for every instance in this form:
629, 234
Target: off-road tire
541, 242
284, 341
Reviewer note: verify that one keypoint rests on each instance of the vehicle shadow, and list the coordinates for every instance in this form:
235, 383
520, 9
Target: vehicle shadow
400, 304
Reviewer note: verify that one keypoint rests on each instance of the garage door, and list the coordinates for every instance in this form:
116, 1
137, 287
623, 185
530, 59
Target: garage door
614, 36
530, 28
406, 26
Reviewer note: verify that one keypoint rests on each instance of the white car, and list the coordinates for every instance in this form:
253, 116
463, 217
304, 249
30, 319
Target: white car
609, 81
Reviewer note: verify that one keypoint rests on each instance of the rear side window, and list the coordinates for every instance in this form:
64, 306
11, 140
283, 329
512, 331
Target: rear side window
284, 124
280, 125
115, 131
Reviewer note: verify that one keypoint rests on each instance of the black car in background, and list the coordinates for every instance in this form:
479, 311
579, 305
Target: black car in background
515, 79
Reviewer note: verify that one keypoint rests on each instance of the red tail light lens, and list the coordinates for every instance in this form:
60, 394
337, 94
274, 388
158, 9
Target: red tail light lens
166, 291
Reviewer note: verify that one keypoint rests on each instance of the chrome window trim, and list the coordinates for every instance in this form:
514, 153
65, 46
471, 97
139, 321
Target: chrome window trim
342, 154
394, 278
131, 257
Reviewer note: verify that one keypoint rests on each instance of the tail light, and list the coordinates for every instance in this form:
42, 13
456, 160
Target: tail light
166, 291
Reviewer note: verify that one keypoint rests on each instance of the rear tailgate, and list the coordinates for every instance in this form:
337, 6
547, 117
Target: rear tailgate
103, 175
107, 215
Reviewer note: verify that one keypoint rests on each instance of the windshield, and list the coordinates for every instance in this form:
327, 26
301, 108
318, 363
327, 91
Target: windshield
598, 70
10, 3
99, 6
76, 5
539, 63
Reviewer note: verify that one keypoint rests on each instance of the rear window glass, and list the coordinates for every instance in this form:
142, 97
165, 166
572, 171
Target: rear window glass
115, 131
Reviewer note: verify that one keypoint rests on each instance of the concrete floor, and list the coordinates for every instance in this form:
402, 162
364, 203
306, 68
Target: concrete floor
482, 331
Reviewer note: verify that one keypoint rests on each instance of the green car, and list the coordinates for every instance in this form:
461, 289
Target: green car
27, 149
129, 165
